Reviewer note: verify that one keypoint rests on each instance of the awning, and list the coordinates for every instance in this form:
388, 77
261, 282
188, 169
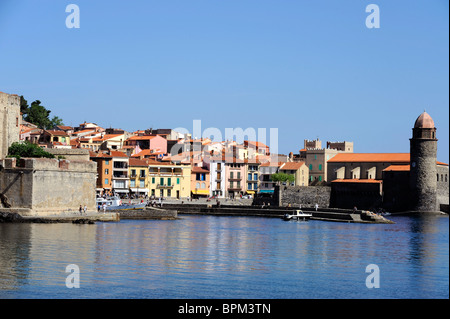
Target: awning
200, 192
250, 192
266, 191
140, 190
120, 190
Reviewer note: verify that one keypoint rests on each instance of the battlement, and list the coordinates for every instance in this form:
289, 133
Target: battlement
49, 164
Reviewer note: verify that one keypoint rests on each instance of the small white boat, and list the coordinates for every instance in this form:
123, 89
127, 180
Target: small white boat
299, 215
115, 203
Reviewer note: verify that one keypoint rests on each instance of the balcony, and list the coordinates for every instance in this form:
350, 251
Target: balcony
120, 176
235, 189
235, 179
165, 186
120, 165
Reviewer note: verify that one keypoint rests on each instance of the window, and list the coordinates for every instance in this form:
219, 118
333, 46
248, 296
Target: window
231, 174
133, 172
161, 181
178, 181
238, 174
132, 183
169, 193
142, 173
169, 182
249, 176
197, 185
106, 181
315, 157
310, 167
249, 186
320, 178
255, 176
106, 171
320, 167
446, 178
142, 183
106, 162
203, 185
153, 180
437, 177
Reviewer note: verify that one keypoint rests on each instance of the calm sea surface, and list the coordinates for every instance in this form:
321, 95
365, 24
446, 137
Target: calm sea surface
226, 257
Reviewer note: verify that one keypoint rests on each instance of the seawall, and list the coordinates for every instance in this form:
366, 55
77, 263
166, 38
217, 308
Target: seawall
324, 214
149, 213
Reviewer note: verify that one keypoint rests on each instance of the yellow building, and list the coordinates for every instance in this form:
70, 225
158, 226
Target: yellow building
169, 180
299, 170
138, 172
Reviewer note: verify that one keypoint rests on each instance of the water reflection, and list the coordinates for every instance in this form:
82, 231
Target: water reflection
225, 257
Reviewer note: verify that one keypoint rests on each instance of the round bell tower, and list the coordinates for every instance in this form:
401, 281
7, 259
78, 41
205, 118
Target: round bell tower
423, 150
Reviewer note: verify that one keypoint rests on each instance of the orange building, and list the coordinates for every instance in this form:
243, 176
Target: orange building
104, 172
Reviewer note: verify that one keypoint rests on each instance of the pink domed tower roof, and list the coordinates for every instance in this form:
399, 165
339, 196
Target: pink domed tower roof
424, 121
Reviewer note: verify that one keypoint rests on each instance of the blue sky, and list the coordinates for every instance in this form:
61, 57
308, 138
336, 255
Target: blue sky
312, 69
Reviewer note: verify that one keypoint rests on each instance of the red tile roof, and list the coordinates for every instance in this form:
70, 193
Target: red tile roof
371, 181
137, 162
292, 166
397, 168
371, 157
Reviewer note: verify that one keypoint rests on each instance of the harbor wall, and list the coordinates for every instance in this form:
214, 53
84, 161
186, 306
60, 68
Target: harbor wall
149, 213
47, 186
307, 196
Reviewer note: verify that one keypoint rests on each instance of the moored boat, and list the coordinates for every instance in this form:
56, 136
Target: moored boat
115, 203
298, 215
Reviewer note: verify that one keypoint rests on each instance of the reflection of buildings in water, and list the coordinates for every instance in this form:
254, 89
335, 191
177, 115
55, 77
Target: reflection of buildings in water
55, 246
14, 255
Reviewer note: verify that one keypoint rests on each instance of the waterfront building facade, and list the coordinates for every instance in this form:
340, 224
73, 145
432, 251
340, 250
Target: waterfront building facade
266, 185
200, 182
252, 173
104, 172
169, 180
138, 172
217, 176
299, 170
234, 174
120, 177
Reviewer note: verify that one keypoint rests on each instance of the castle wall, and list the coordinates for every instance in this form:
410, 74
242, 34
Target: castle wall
307, 196
48, 186
9, 121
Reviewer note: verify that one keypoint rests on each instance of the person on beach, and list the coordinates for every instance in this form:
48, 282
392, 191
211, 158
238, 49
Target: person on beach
85, 209
81, 210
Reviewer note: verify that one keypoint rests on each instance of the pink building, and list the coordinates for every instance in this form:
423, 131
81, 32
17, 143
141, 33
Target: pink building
146, 142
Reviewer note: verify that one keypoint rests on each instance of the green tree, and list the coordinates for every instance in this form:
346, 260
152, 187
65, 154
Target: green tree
23, 105
27, 149
55, 121
282, 177
38, 115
